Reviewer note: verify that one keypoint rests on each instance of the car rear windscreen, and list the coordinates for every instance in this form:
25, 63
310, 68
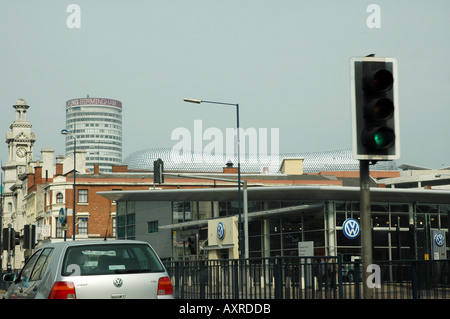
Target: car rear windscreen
110, 259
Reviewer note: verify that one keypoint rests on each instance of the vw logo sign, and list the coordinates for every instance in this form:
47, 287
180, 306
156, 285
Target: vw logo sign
439, 239
220, 230
118, 282
351, 228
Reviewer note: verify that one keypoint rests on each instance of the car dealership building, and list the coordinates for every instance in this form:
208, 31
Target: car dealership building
205, 222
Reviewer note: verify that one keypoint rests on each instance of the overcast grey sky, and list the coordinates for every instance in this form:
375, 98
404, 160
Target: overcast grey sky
285, 62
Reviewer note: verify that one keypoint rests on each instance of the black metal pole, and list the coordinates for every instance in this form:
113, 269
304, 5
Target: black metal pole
241, 247
1, 218
366, 227
74, 182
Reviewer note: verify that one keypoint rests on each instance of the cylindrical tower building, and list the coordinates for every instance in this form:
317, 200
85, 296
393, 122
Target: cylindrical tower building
96, 124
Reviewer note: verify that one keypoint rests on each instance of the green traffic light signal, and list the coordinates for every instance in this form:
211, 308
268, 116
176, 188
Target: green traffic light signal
380, 138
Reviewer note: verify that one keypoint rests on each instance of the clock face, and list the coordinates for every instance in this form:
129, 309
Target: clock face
21, 152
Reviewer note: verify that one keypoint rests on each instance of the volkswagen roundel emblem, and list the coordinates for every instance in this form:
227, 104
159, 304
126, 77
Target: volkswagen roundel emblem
439, 239
118, 282
351, 228
220, 230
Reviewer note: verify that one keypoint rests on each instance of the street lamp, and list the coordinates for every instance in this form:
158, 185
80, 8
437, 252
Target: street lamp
239, 163
65, 132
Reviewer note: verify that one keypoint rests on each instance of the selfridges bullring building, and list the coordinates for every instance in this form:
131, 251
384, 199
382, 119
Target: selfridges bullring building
339, 160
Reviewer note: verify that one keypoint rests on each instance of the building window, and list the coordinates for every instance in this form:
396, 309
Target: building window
83, 226
181, 211
120, 222
152, 227
59, 230
126, 219
82, 195
59, 198
131, 225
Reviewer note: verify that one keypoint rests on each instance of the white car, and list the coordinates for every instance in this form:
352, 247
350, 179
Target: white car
90, 270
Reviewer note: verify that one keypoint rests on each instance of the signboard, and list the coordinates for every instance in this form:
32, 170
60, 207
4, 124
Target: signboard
439, 239
220, 230
351, 228
223, 231
45, 230
93, 101
306, 248
439, 247
62, 216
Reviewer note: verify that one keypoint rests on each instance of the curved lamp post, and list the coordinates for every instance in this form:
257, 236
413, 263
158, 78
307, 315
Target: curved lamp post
239, 164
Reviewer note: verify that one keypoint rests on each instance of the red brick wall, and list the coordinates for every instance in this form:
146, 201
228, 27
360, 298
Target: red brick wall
98, 207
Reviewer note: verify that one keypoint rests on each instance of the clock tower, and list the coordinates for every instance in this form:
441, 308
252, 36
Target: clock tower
20, 142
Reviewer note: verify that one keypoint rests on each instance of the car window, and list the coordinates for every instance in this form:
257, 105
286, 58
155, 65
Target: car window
41, 264
109, 259
25, 274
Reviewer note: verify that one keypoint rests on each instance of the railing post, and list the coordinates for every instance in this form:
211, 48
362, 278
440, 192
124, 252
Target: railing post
177, 279
202, 279
414, 281
341, 288
278, 278
236, 279
357, 279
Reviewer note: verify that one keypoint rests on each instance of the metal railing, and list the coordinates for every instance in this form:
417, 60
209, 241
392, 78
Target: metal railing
306, 278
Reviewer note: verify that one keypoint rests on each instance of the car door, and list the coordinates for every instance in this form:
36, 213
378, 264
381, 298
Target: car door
39, 269
22, 283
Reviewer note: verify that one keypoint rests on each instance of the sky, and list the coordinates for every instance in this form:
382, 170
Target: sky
287, 64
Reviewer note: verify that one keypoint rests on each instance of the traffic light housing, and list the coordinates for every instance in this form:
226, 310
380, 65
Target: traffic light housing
375, 109
192, 245
29, 236
158, 169
10, 238
6, 239
15, 238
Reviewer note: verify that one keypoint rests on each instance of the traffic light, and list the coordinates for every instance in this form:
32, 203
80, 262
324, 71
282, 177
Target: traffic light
10, 238
15, 238
192, 244
375, 109
158, 169
29, 235
6, 239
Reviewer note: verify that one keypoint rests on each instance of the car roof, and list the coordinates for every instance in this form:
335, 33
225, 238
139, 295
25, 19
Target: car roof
71, 243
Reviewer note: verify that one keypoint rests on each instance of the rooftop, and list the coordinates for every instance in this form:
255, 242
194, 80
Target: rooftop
314, 162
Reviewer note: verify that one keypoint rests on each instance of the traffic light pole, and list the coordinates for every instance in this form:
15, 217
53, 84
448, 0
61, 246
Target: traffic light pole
10, 247
366, 227
375, 135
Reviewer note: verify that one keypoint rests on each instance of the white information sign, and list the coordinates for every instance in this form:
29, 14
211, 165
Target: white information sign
45, 230
306, 248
